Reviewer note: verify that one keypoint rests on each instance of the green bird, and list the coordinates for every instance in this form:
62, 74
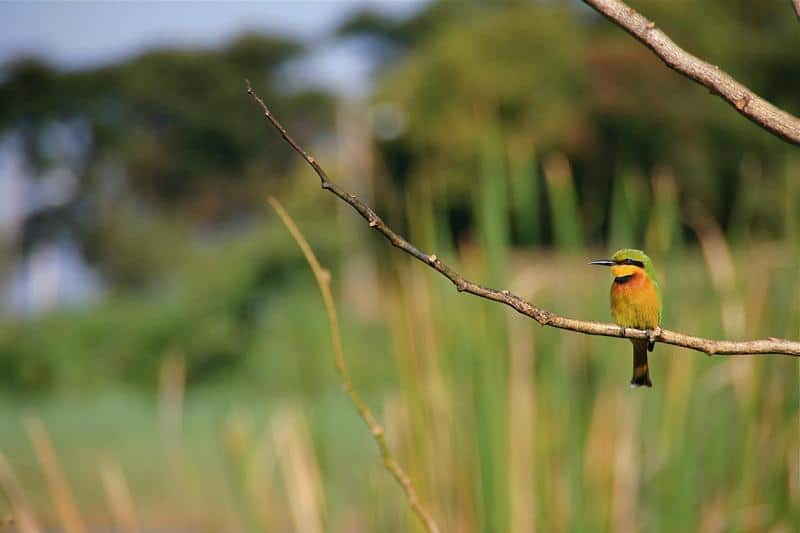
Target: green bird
635, 303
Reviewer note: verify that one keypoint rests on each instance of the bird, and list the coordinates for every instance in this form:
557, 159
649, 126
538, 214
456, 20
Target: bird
635, 303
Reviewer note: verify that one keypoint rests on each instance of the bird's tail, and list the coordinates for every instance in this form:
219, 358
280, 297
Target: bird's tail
641, 372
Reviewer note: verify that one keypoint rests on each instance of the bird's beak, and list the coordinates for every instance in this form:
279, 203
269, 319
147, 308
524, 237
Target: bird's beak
603, 262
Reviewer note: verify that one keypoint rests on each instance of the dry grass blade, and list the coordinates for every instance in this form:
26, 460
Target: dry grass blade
720, 265
300, 472
545, 318
624, 490
323, 280
22, 517
57, 484
119, 497
521, 438
171, 395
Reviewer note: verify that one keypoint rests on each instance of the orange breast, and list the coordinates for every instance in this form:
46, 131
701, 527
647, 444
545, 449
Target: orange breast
635, 303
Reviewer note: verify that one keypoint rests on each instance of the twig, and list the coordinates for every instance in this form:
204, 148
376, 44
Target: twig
744, 100
797, 8
323, 280
545, 318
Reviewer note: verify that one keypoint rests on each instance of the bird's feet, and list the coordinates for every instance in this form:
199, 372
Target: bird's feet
652, 335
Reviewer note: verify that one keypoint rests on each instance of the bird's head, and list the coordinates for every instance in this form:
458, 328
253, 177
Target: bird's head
627, 262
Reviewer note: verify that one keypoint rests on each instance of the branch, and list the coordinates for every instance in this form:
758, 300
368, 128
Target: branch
797, 7
746, 102
545, 318
323, 281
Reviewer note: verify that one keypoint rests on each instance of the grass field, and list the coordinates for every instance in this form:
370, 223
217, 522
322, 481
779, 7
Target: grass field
502, 425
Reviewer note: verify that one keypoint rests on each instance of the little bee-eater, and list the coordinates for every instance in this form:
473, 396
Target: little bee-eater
635, 303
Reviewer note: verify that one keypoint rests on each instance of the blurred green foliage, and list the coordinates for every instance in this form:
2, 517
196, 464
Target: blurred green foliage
171, 134
502, 424
161, 144
216, 307
559, 77
176, 120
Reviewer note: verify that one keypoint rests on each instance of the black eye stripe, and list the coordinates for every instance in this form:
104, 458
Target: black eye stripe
630, 262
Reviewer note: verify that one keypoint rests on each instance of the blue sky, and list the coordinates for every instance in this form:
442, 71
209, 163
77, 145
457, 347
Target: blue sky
83, 34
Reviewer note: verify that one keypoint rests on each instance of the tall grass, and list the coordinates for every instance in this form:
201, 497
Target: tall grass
503, 425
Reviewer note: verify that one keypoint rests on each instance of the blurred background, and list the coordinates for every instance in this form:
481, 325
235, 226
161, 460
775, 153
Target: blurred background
165, 357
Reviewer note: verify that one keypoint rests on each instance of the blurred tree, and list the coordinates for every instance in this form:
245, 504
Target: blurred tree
560, 77
174, 118
169, 131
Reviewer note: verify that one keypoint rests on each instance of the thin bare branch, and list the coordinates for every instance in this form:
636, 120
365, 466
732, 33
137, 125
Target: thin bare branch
797, 8
744, 100
545, 318
323, 280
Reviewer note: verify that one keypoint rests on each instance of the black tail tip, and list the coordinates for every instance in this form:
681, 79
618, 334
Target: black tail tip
641, 381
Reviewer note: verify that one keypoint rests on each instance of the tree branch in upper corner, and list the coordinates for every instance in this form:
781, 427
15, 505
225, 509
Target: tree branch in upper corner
746, 102
545, 318
797, 8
